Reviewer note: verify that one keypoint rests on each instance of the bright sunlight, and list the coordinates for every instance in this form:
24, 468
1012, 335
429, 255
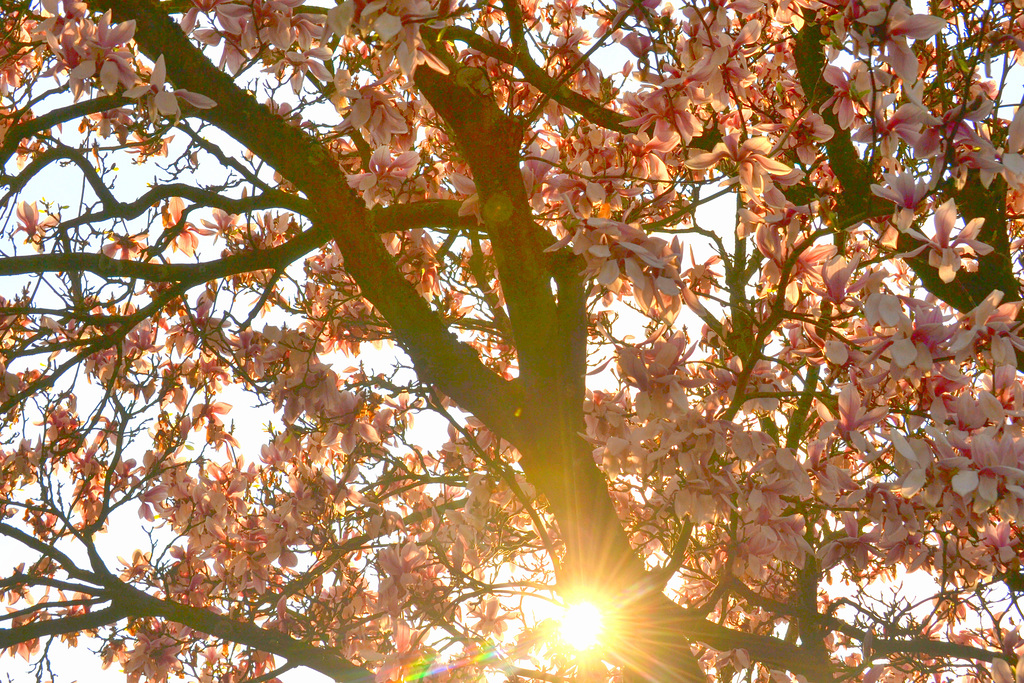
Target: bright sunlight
581, 626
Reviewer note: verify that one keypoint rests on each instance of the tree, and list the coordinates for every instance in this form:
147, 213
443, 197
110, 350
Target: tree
781, 441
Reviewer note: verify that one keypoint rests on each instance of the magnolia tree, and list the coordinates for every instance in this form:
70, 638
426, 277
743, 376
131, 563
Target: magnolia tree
707, 315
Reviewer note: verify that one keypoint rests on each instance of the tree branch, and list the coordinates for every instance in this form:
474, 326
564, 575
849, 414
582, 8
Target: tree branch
490, 142
47, 550
10, 637
438, 356
19, 131
137, 603
440, 213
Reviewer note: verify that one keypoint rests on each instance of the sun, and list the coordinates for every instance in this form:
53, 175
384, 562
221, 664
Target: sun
581, 626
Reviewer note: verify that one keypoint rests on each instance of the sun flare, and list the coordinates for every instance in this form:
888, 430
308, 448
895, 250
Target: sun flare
581, 626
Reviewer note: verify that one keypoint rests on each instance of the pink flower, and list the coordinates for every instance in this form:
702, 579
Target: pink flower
371, 110
401, 563
904, 125
855, 547
639, 45
385, 173
835, 275
154, 657
906, 192
123, 247
754, 165
999, 540
1011, 158
945, 250
400, 664
113, 66
902, 189
913, 26
222, 223
849, 88
163, 102
491, 620
648, 151
301, 63
852, 416
893, 26
30, 223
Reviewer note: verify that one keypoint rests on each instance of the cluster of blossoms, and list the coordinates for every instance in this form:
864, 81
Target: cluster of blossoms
729, 292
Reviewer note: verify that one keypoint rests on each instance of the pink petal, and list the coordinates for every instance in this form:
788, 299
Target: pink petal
159, 74
122, 33
771, 165
705, 160
945, 217
917, 26
166, 104
1015, 134
195, 99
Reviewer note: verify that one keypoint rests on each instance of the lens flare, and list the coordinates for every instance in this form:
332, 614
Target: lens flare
581, 626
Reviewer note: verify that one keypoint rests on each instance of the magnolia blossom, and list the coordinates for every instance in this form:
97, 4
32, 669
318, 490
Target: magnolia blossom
901, 128
754, 165
667, 106
894, 24
906, 192
371, 111
491, 619
162, 102
124, 246
105, 59
89, 49
649, 152
944, 250
32, 224
849, 89
302, 63
397, 24
154, 657
385, 175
